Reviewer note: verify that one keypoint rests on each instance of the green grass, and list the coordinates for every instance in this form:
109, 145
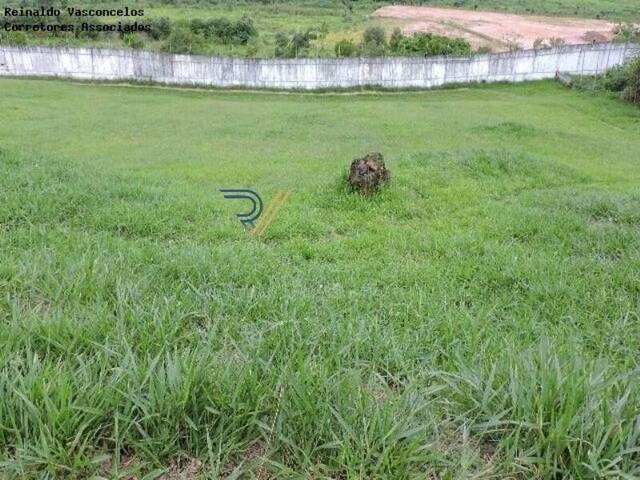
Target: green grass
477, 318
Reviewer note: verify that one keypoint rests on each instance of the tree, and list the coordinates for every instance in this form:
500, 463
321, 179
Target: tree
396, 40
375, 36
374, 42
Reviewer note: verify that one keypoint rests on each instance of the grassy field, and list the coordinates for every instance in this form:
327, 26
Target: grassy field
335, 21
477, 318
341, 23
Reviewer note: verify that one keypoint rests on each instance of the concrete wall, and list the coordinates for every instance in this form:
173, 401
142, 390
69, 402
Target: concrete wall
389, 72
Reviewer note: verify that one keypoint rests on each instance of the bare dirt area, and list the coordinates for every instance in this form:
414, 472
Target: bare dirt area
498, 31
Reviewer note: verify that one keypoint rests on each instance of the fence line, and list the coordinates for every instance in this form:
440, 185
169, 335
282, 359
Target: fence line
310, 73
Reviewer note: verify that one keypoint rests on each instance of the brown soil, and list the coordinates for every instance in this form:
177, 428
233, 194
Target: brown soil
499, 31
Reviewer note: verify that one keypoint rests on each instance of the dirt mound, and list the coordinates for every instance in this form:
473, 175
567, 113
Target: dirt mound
368, 173
499, 31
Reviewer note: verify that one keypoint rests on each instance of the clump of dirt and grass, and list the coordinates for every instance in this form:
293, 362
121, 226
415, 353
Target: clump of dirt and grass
369, 173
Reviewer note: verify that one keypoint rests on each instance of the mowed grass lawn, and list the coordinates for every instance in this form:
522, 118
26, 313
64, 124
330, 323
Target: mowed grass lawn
479, 317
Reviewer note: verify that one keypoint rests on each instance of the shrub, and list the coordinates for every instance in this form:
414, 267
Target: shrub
345, 48
87, 34
300, 42
348, 5
374, 35
133, 40
199, 26
615, 80
282, 44
428, 44
372, 50
160, 28
323, 31
540, 44
623, 80
396, 40
293, 45
220, 29
627, 33
243, 31
484, 50
14, 38
252, 49
374, 42
183, 40
555, 42
632, 90
225, 31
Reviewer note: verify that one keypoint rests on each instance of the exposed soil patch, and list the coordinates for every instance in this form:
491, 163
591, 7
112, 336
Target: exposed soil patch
499, 31
185, 469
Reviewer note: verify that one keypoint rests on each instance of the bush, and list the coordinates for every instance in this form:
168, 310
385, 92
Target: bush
243, 31
428, 44
282, 44
225, 31
374, 36
345, 48
627, 33
553, 42
623, 80
374, 42
484, 50
220, 29
396, 39
160, 28
615, 80
199, 27
252, 49
632, 90
133, 40
14, 38
183, 40
295, 45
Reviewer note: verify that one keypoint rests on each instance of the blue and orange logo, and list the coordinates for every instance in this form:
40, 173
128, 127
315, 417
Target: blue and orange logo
257, 220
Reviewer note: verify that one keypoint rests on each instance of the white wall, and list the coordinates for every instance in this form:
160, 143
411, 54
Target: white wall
389, 72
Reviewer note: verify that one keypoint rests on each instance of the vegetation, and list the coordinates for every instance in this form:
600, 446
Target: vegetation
331, 21
133, 40
628, 32
18, 39
182, 36
624, 81
427, 44
224, 31
476, 318
345, 48
553, 42
294, 45
631, 91
183, 40
616, 10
